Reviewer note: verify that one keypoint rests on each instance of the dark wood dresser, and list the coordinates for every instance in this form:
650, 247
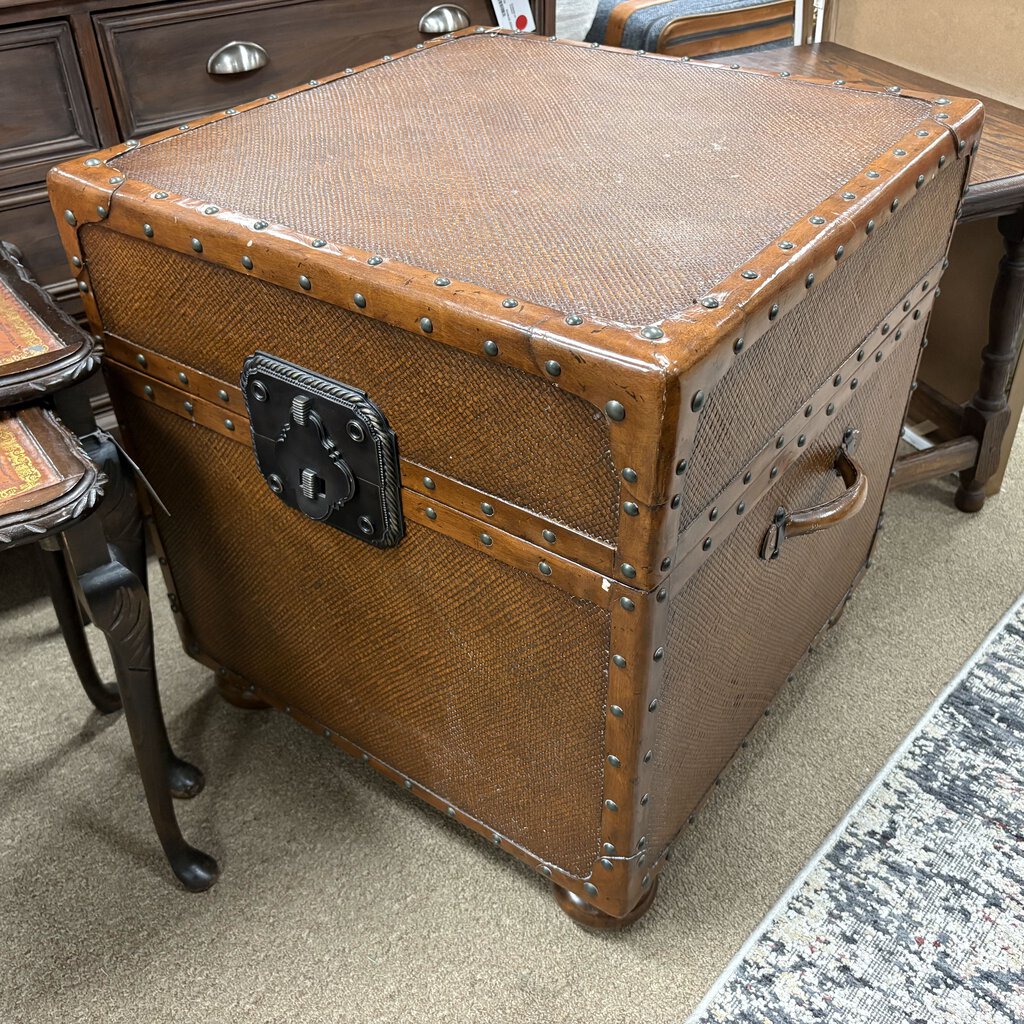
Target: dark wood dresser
77, 75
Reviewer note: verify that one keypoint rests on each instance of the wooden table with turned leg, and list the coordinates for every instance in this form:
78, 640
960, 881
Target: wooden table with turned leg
973, 433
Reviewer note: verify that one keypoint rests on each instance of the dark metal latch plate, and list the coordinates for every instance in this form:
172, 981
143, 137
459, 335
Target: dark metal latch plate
325, 449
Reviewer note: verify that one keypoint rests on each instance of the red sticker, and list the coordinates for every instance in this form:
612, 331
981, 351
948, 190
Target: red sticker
521, 22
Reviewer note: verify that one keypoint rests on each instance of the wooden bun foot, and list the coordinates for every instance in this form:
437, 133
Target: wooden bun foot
196, 870
583, 913
239, 698
970, 498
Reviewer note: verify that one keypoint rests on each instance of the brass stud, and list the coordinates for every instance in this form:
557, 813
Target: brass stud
628, 571
147, 391
573, 320
549, 536
839, 252
631, 508
430, 513
83, 287
750, 275
606, 864
247, 262
786, 246
774, 473
101, 212
223, 395
709, 302
774, 311
809, 280
808, 410
920, 181
849, 196
713, 514
318, 243
611, 805
260, 225
652, 333
737, 346
589, 888
677, 500
161, 195
304, 282
197, 245
487, 539
553, 369
183, 379
360, 300
426, 325
141, 360
697, 402
545, 569
70, 218
75, 261
869, 227
509, 303
801, 441
829, 409
210, 210
92, 162
615, 410
229, 424
747, 477
619, 661
490, 348
487, 508
780, 441
147, 230
707, 544
429, 483
375, 261
661, 595
188, 407
616, 711
442, 282
645, 799
627, 603
817, 220
837, 380
666, 564
680, 467
873, 174
629, 475
894, 205
899, 152
659, 654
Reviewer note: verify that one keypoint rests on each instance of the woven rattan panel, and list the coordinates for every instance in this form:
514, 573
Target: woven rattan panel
742, 623
481, 682
591, 181
490, 426
766, 384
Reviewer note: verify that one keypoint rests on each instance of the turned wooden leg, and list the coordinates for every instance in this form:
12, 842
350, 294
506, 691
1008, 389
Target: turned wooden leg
104, 697
119, 606
584, 913
987, 415
238, 697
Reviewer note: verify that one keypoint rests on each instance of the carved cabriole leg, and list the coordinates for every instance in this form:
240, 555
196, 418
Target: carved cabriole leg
104, 698
589, 916
119, 606
122, 527
987, 415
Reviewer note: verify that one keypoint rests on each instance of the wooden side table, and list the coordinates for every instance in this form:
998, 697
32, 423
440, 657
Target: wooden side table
972, 434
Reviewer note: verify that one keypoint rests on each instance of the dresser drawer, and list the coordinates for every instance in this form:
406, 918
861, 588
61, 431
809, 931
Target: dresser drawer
156, 57
26, 219
45, 115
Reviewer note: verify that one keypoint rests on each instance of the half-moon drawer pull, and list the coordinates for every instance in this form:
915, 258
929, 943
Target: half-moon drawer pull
236, 57
443, 18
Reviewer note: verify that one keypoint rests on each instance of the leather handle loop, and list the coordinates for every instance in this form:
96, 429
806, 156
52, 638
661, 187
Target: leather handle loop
830, 513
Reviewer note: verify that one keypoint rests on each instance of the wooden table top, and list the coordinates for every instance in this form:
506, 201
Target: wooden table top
997, 178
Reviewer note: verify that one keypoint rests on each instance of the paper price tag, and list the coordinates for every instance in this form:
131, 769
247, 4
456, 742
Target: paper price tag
514, 14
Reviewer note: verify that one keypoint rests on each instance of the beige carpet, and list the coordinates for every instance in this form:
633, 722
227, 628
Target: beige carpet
342, 899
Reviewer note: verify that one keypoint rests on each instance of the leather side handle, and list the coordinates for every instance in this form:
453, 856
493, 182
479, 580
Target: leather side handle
830, 513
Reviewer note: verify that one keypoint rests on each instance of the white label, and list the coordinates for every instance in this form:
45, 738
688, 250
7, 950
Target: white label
513, 14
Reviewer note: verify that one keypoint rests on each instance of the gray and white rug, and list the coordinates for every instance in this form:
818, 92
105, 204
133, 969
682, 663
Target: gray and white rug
912, 912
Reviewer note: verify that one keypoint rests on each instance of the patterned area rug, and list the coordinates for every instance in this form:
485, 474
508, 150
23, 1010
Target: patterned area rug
912, 912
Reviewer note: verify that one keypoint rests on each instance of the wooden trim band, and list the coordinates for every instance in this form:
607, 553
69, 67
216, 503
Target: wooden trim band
573, 562
756, 478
